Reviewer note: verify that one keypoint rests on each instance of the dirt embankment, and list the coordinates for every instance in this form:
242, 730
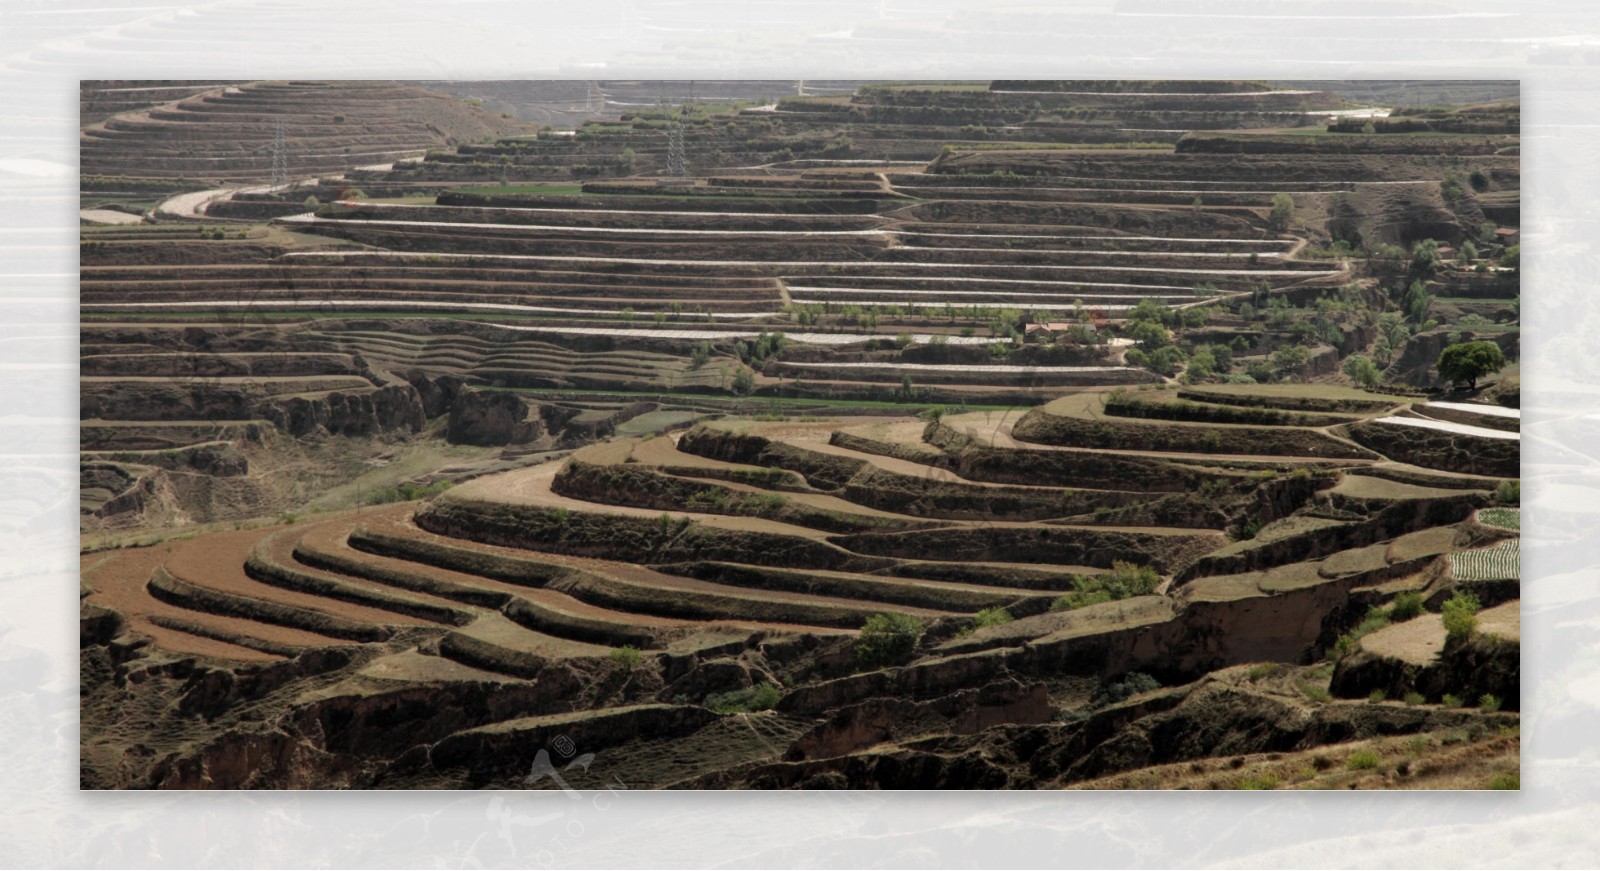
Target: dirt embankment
1417, 657
1437, 449
977, 460
627, 538
1040, 426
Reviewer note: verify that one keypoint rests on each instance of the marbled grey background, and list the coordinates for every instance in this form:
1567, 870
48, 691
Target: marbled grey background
46, 46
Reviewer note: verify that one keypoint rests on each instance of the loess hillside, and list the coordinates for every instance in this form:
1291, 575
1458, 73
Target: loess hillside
890, 435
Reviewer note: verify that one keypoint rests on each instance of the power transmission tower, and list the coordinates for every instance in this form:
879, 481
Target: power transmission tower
280, 158
677, 165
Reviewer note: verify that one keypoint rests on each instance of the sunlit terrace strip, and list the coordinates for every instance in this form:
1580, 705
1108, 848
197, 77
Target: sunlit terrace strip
534, 228
1176, 239
1475, 408
1447, 426
1303, 273
386, 304
956, 367
714, 335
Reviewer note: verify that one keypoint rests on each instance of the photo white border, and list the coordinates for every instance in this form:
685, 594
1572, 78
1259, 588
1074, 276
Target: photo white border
1551, 46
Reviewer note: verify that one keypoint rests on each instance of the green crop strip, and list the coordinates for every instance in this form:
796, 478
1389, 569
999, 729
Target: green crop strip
757, 404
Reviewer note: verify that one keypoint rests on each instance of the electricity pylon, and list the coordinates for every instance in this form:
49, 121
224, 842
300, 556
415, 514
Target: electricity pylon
677, 163
280, 158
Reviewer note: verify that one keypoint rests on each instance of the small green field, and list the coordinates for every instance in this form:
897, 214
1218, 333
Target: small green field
419, 200
579, 195
1063, 146
140, 202
757, 404
654, 422
1501, 518
1310, 391
1500, 562
304, 314
925, 86
1322, 131
550, 190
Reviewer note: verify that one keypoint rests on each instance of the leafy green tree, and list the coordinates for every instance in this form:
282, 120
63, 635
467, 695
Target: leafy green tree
1289, 357
1280, 315
888, 638
1162, 361
1361, 370
1148, 310
1383, 350
1395, 332
1406, 606
1468, 361
1416, 301
1282, 212
1149, 334
626, 657
1450, 188
1460, 615
1390, 257
1202, 365
1425, 257
744, 381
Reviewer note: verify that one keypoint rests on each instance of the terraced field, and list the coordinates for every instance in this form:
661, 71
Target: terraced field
740, 554
903, 437
1500, 562
213, 133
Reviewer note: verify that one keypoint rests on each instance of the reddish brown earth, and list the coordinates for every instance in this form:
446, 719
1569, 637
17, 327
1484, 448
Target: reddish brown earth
396, 488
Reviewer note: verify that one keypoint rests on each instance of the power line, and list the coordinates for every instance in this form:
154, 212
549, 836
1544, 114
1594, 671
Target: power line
280, 158
677, 163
